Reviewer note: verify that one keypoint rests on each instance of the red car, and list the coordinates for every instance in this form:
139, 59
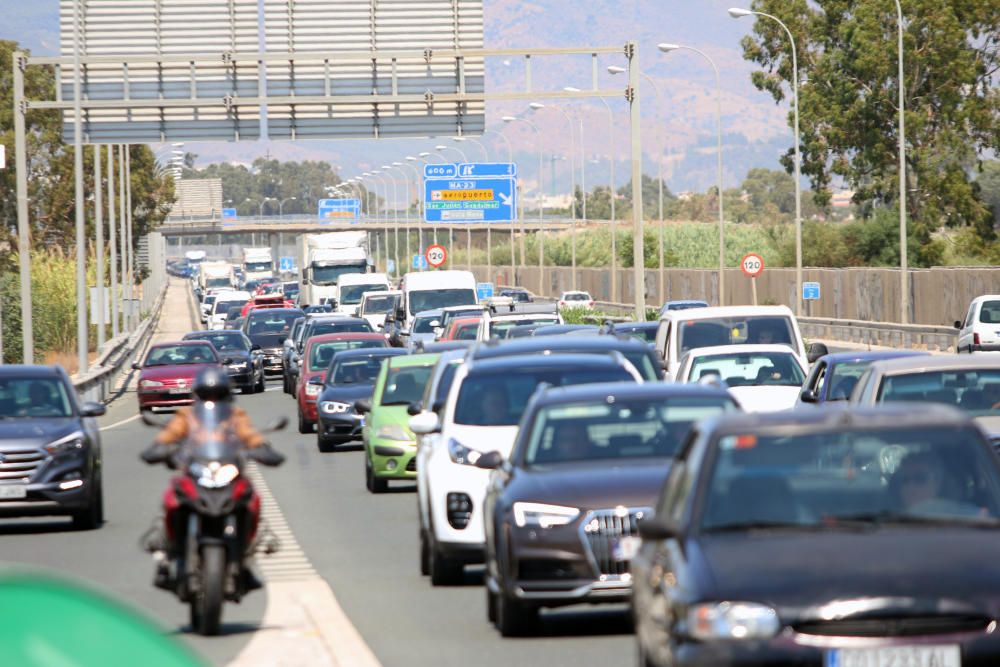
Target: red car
167, 375
268, 301
463, 328
315, 359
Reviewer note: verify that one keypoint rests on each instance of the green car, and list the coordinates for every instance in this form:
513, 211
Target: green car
390, 447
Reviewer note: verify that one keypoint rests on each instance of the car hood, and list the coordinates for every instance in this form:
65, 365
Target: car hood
485, 438
392, 414
766, 399
597, 485
346, 393
797, 572
17, 432
179, 371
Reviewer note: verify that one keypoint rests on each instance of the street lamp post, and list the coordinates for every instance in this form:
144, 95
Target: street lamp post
281, 205
406, 201
510, 160
443, 148
541, 202
486, 153
904, 269
572, 171
260, 210
736, 13
386, 169
667, 48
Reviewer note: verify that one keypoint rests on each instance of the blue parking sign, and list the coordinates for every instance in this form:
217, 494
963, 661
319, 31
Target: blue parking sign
286, 264
420, 263
810, 291
484, 291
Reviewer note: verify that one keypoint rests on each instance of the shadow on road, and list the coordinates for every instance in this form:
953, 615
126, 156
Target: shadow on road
227, 629
585, 622
36, 527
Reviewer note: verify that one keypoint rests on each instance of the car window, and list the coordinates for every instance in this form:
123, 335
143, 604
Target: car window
172, 355
28, 397
467, 331
322, 353
343, 326
943, 473
735, 331
970, 316
355, 371
749, 369
443, 298
405, 385
989, 313
270, 323
499, 399
499, 328
379, 305
623, 429
224, 342
976, 391
844, 377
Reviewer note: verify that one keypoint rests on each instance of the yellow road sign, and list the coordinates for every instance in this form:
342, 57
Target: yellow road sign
462, 195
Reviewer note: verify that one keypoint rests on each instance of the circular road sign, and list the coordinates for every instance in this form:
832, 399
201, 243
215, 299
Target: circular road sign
436, 255
752, 265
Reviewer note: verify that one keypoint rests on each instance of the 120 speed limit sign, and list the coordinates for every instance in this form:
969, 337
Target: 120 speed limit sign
436, 255
752, 265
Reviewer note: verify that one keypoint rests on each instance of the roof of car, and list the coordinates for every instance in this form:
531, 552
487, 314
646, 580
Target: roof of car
370, 352
556, 329
533, 361
202, 335
869, 355
333, 337
327, 317
458, 309
276, 311
936, 363
180, 343
436, 312
463, 321
726, 311
626, 391
555, 343
632, 326
22, 370
460, 346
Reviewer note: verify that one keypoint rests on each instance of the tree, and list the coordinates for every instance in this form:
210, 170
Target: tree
849, 87
988, 182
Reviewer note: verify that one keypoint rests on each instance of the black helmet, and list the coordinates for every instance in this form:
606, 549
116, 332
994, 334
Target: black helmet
212, 384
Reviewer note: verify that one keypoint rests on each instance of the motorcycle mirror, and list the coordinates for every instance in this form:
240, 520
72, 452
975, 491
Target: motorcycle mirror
278, 424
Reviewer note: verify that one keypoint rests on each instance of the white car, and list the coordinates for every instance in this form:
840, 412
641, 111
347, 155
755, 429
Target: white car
216, 317
480, 415
576, 299
376, 305
499, 316
980, 332
762, 378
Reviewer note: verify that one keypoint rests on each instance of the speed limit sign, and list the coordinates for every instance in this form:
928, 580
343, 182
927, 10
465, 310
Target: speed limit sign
752, 265
436, 255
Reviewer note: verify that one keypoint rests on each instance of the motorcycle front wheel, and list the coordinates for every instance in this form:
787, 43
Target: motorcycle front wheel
206, 606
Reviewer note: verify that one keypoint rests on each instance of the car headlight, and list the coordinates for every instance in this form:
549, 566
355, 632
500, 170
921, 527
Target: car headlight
150, 384
74, 440
334, 408
313, 389
732, 620
394, 432
542, 515
214, 475
461, 454
238, 366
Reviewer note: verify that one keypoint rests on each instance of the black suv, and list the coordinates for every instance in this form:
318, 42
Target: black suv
50, 447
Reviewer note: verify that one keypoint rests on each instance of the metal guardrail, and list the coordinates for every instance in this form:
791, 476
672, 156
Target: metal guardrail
98, 383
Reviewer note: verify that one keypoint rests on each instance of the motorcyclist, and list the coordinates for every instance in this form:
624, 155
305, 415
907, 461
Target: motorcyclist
185, 430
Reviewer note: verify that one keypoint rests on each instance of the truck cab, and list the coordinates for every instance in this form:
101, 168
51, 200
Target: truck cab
324, 258
431, 290
353, 286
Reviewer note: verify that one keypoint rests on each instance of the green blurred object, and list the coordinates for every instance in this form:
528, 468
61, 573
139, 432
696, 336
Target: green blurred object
47, 621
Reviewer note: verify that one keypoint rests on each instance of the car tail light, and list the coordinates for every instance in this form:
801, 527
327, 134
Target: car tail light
590, 303
975, 339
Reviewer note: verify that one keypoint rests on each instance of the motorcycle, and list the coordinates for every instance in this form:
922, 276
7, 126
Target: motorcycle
212, 515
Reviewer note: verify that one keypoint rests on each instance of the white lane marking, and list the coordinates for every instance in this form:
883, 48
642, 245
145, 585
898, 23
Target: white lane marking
121, 423
274, 389
303, 623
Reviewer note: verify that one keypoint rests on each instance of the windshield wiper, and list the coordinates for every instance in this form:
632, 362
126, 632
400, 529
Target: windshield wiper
882, 518
763, 525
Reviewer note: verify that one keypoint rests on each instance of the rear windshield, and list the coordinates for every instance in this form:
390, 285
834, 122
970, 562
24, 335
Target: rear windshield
355, 371
774, 329
347, 326
498, 329
322, 353
750, 369
976, 391
379, 305
990, 312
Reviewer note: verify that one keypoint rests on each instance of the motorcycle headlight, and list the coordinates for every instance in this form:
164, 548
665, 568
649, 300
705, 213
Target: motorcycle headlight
334, 408
732, 620
542, 515
68, 443
150, 384
394, 432
214, 475
313, 390
461, 454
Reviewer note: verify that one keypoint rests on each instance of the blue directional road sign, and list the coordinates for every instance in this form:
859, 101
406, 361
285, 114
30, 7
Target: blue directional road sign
484, 291
420, 263
810, 291
229, 214
286, 264
339, 210
484, 192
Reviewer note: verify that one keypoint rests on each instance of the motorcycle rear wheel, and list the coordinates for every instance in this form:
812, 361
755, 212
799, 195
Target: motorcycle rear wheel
206, 607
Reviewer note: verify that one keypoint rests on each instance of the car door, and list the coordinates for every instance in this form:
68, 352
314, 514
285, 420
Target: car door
965, 335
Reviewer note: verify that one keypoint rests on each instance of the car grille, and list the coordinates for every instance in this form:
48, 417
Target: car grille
898, 626
412, 465
601, 531
20, 465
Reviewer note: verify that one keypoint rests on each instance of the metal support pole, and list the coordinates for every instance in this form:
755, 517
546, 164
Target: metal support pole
123, 237
904, 268
451, 242
82, 328
23, 236
489, 254
614, 216
112, 236
638, 249
99, 228
468, 248
541, 221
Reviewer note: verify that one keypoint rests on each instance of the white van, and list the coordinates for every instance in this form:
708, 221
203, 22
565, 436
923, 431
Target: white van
433, 290
376, 305
352, 286
216, 318
980, 332
683, 330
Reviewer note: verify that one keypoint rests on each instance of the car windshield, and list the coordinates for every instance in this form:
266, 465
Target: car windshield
379, 305
576, 296
440, 298
322, 353
355, 371
445, 381
817, 479
466, 331
209, 299
749, 369
843, 377
425, 325
405, 385
499, 399
645, 334
258, 267
499, 328
226, 306
271, 323
225, 342
351, 294
735, 331
990, 312
976, 391
27, 397
211, 283
329, 275
341, 326
518, 296
234, 313
623, 429
173, 355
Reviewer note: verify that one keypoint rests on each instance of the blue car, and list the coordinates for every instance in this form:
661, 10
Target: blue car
833, 376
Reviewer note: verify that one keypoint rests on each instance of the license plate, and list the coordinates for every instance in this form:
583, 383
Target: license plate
180, 391
896, 656
13, 491
625, 548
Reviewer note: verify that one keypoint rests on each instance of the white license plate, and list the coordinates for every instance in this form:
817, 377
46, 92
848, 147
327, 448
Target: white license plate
625, 548
13, 491
180, 391
896, 656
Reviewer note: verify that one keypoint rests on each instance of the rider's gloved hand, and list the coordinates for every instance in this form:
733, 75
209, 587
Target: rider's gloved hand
156, 453
267, 455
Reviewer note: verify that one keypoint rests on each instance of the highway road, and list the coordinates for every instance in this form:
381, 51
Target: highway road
362, 547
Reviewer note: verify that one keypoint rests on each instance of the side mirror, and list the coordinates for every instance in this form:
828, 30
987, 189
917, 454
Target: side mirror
958, 325
490, 461
414, 408
278, 424
136, 366
255, 347
363, 406
91, 409
438, 331
425, 423
381, 325
817, 350
658, 529
808, 396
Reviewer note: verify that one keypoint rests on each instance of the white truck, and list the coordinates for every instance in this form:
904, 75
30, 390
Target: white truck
431, 290
258, 264
323, 258
353, 286
215, 276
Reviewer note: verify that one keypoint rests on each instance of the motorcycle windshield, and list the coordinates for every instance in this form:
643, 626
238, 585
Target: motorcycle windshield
214, 439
